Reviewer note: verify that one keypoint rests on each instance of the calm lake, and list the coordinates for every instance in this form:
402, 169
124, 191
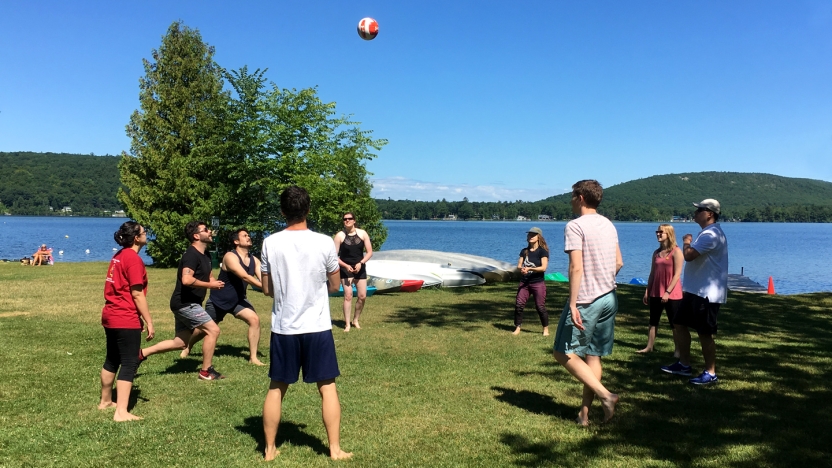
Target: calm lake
796, 255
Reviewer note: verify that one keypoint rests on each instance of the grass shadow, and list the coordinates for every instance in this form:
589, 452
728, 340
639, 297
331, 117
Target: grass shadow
187, 365
288, 431
534, 402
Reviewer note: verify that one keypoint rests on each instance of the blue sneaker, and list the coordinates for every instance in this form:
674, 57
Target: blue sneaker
704, 378
678, 369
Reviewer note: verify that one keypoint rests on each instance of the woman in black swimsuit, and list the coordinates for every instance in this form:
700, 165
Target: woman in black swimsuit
354, 250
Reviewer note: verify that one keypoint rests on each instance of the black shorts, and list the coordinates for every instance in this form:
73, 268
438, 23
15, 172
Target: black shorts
362, 274
123, 345
697, 313
218, 314
671, 307
314, 353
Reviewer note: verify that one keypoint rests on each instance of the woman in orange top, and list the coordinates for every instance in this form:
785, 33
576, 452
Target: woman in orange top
664, 286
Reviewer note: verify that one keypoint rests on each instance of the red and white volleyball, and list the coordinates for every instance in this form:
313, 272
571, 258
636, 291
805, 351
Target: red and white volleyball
368, 29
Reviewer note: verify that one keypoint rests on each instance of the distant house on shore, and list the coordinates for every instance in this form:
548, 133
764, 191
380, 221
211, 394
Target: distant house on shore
119, 214
544, 218
449, 217
522, 218
66, 209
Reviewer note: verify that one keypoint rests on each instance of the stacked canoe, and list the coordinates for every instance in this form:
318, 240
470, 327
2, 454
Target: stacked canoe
440, 269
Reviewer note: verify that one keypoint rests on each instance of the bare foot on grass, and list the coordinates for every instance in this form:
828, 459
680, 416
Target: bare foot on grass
347, 328
185, 352
339, 455
106, 405
121, 417
545, 331
583, 418
270, 453
356, 325
256, 362
645, 350
516, 331
609, 406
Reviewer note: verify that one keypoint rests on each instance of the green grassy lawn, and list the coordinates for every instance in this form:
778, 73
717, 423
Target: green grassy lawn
433, 378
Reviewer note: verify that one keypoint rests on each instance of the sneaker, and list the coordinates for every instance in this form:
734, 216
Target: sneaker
678, 369
704, 378
210, 374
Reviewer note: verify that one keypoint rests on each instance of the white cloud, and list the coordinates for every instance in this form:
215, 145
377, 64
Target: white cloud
402, 188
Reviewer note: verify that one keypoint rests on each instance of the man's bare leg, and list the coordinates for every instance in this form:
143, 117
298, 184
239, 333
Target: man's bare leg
584, 373
347, 285
196, 336
271, 416
708, 352
212, 333
180, 341
683, 344
361, 289
594, 363
331, 411
250, 317
651, 340
107, 379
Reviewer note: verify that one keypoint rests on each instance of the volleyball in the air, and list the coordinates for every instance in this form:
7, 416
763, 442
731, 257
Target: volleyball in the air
368, 29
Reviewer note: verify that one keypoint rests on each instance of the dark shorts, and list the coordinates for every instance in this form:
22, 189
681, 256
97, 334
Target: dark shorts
190, 317
345, 274
671, 307
218, 314
697, 313
314, 353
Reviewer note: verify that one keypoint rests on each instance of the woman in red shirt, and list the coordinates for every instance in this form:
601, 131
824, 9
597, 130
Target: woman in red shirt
664, 285
124, 310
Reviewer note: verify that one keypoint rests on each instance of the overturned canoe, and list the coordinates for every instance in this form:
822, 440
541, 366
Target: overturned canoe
490, 269
430, 273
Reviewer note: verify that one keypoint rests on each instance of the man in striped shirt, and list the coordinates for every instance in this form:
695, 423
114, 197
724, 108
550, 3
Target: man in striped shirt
585, 330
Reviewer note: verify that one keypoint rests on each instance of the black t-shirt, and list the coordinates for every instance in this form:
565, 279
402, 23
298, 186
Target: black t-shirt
533, 258
183, 295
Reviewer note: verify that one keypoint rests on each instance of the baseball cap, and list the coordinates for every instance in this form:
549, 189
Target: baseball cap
709, 204
535, 230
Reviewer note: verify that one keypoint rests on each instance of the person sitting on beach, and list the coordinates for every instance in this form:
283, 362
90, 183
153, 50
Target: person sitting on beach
43, 253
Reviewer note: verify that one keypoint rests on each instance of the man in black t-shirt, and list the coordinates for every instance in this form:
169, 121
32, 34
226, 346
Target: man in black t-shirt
193, 278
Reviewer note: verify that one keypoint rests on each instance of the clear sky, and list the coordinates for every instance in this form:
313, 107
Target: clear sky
480, 99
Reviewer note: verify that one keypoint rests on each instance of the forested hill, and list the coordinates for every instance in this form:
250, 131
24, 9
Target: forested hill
32, 182
744, 197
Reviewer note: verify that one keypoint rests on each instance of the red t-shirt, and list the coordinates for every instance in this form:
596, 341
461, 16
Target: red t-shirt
126, 270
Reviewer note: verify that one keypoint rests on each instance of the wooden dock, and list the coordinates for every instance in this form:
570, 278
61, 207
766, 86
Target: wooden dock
745, 284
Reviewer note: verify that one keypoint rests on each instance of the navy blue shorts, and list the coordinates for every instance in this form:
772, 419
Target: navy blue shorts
314, 353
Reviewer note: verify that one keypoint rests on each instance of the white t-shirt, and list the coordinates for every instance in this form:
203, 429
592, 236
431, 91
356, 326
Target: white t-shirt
597, 238
707, 275
298, 263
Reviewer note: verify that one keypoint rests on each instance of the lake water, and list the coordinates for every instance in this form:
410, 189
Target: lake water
796, 255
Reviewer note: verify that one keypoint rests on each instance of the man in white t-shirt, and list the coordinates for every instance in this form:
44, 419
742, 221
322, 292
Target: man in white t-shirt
586, 326
299, 268
705, 288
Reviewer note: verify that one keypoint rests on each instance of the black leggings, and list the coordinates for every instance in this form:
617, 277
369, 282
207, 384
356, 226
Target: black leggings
123, 346
657, 306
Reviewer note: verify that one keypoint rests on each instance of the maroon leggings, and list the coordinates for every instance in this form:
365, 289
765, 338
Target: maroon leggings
539, 291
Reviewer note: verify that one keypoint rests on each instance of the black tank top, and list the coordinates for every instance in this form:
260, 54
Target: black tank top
352, 249
235, 288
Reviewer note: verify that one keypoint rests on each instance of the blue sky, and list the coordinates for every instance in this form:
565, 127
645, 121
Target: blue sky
479, 99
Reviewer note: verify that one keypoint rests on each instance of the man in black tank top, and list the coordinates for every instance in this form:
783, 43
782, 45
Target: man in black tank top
239, 269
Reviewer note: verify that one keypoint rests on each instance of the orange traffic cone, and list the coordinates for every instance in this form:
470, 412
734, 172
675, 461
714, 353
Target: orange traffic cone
770, 285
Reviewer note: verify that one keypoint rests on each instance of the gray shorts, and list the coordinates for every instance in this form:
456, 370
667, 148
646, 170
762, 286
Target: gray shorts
218, 314
190, 317
599, 328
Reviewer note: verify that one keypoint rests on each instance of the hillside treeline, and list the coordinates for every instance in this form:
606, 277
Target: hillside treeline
31, 183
744, 197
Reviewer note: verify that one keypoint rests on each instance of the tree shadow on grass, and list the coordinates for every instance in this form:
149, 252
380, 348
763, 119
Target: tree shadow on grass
187, 365
287, 431
770, 408
534, 402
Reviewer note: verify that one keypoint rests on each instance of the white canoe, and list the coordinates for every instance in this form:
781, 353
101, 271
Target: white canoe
384, 285
490, 269
431, 273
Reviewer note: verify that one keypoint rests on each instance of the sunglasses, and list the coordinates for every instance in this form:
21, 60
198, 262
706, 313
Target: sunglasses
349, 219
659, 232
699, 210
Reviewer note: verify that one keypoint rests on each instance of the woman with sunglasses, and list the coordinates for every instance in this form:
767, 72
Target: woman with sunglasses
354, 251
534, 260
664, 286
125, 308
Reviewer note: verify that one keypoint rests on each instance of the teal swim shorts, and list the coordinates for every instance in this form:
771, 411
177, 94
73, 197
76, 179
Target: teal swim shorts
599, 323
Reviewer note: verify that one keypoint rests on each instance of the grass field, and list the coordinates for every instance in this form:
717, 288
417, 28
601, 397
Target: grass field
433, 378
